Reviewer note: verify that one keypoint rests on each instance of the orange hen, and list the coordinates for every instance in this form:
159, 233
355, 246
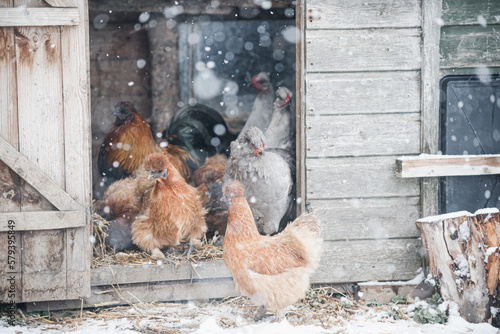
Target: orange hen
273, 271
171, 211
129, 141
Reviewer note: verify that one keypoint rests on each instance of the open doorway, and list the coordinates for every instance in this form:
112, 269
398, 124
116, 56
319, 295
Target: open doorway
165, 58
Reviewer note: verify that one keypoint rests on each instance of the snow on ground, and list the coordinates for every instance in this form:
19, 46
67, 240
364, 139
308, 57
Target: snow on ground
236, 317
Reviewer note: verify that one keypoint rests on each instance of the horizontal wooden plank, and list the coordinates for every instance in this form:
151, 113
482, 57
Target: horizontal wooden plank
447, 165
372, 92
41, 220
355, 14
103, 296
368, 218
469, 46
460, 12
368, 260
35, 177
363, 50
39, 16
361, 135
357, 177
61, 3
118, 274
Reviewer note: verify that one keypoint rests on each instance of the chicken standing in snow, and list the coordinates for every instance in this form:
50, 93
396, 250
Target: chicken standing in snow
171, 211
263, 105
267, 178
273, 271
279, 133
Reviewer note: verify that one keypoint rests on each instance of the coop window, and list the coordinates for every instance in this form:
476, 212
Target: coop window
217, 60
469, 125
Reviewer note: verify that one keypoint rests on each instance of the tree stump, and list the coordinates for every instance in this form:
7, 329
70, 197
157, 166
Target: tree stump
462, 252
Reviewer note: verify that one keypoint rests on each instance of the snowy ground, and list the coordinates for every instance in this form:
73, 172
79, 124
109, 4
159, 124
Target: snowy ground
314, 315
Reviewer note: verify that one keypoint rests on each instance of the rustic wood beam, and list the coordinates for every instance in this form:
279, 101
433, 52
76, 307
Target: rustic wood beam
118, 274
40, 16
447, 165
429, 99
61, 3
34, 176
40, 220
155, 6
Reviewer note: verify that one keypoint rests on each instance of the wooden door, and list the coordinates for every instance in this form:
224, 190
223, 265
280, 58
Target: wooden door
45, 189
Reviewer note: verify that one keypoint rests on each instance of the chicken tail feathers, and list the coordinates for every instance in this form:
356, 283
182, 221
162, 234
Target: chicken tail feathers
306, 229
201, 130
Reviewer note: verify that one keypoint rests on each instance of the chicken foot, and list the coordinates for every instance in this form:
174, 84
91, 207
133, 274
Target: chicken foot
187, 253
260, 313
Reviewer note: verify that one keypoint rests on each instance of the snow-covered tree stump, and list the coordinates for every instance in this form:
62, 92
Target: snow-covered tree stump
462, 252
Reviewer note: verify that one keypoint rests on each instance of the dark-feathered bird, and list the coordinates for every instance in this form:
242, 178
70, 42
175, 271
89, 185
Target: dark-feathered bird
201, 131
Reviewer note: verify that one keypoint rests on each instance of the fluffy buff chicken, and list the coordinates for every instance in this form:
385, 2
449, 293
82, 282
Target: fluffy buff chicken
121, 205
267, 178
273, 271
263, 105
171, 211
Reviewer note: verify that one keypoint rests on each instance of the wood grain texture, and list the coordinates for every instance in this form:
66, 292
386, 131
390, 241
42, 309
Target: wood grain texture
469, 46
37, 17
356, 14
368, 260
460, 12
355, 93
367, 218
117, 274
431, 13
363, 50
361, 177
24, 168
447, 165
300, 105
42, 220
353, 135
77, 139
62, 3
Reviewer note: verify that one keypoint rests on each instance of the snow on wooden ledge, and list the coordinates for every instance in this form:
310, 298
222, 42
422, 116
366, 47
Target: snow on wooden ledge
462, 252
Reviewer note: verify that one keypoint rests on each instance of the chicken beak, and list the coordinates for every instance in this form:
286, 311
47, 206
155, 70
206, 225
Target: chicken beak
151, 175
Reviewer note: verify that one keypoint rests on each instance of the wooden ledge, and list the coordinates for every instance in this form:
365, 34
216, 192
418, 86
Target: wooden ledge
426, 165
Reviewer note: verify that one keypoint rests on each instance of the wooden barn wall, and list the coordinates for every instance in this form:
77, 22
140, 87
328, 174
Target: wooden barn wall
43, 115
362, 91
117, 74
470, 37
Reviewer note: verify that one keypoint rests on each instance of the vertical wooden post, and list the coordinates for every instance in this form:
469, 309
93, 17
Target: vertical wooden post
165, 88
431, 29
300, 104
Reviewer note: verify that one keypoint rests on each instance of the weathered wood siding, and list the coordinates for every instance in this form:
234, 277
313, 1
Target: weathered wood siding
362, 89
470, 37
45, 131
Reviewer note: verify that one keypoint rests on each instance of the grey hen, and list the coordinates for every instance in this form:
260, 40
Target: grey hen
266, 176
262, 109
280, 131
